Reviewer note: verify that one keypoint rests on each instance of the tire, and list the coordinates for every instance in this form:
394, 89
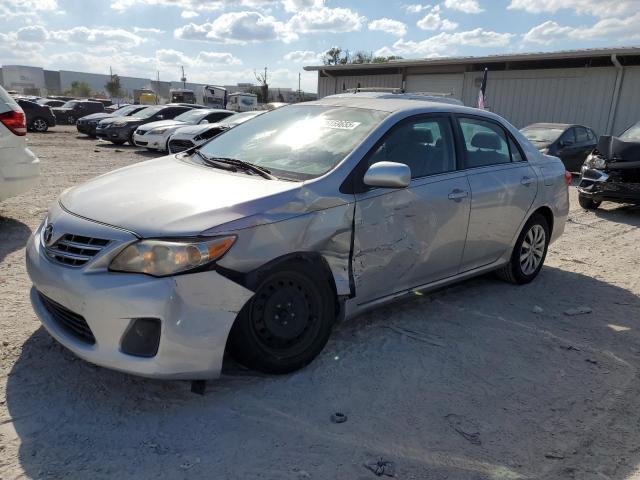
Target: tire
118, 142
39, 125
71, 120
287, 322
588, 203
131, 139
526, 262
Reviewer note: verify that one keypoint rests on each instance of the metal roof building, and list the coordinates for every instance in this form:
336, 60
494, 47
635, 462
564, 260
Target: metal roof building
599, 88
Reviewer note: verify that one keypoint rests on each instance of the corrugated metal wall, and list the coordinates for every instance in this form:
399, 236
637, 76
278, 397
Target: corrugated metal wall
329, 86
628, 111
559, 95
436, 83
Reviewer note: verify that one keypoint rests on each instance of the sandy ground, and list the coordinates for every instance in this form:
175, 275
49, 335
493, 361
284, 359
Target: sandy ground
467, 383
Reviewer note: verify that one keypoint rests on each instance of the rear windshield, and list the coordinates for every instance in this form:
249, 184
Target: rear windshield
298, 142
632, 134
540, 134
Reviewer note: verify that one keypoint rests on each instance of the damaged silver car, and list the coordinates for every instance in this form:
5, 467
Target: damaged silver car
257, 242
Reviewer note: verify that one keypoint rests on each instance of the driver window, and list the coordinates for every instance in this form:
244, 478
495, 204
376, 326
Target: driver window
425, 145
568, 137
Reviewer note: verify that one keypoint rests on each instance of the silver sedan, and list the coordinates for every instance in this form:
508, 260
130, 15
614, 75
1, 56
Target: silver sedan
258, 242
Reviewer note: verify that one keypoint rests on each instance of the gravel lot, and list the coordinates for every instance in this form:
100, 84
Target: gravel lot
483, 380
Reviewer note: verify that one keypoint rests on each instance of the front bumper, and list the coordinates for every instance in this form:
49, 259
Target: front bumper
86, 127
196, 311
156, 142
602, 186
114, 133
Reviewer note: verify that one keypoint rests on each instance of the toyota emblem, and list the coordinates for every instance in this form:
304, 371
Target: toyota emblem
47, 235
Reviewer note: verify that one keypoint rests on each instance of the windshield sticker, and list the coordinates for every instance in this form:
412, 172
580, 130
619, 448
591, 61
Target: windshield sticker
341, 124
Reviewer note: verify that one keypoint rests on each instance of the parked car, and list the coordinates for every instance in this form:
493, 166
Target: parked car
185, 138
19, 167
75, 109
570, 143
155, 135
89, 123
113, 108
51, 102
261, 239
612, 172
39, 117
120, 130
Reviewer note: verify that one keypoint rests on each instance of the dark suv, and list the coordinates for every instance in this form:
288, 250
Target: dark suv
75, 109
88, 124
39, 117
120, 130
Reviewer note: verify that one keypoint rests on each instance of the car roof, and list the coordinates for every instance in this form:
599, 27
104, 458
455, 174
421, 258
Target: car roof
561, 126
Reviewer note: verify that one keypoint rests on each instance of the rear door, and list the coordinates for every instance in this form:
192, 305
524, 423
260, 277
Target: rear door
411, 236
503, 188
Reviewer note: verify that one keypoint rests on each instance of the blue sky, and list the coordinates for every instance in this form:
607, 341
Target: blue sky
224, 41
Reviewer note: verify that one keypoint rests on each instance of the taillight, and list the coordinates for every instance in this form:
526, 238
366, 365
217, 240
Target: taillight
568, 178
14, 121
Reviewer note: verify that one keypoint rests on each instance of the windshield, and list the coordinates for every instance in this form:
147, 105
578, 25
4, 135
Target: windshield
124, 111
632, 134
297, 142
192, 116
70, 104
542, 134
239, 118
148, 112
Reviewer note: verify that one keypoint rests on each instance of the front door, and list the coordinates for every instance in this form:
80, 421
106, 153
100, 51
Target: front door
412, 236
503, 188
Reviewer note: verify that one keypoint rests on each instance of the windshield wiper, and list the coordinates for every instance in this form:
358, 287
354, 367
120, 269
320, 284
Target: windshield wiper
212, 162
263, 172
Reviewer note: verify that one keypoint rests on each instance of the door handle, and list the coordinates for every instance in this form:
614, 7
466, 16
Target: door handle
526, 181
458, 194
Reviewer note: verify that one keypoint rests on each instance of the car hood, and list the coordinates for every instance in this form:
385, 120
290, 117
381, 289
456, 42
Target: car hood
97, 116
193, 130
162, 123
172, 196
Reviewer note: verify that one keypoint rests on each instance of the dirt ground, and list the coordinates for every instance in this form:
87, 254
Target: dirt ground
483, 380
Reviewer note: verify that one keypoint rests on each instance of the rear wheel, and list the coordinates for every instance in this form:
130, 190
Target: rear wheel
71, 120
588, 203
286, 323
39, 125
528, 253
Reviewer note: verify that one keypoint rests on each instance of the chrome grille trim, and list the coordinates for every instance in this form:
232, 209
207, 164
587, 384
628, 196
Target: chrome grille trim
75, 250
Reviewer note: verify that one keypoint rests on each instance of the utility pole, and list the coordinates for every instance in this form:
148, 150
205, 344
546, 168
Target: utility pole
183, 79
299, 89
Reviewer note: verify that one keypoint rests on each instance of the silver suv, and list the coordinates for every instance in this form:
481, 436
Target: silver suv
261, 239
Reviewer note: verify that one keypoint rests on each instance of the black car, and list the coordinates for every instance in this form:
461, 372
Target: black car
75, 109
120, 130
39, 117
88, 124
51, 102
612, 172
571, 143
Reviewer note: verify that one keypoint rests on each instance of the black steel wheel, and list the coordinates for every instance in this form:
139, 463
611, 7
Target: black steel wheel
286, 323
39, 125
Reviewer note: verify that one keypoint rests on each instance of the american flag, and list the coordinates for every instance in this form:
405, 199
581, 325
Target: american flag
482, 97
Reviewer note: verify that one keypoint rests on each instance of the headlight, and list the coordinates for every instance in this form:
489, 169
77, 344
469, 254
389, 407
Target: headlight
595, 161
160, 258
157, 131
119, 124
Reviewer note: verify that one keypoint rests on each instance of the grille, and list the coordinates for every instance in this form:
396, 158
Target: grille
176, 146
75, 250
71, 322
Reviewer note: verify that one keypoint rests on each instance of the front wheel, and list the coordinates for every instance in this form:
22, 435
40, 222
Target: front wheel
528, 253
588, 203
39, 125
71, 120
287, 322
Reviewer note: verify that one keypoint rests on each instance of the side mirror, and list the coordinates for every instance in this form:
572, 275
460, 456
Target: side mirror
204, 122
388, 175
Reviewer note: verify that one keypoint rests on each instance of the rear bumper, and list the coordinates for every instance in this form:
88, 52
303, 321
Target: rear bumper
20, 176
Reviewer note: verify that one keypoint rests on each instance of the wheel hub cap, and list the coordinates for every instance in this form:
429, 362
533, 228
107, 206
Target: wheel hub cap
532, 249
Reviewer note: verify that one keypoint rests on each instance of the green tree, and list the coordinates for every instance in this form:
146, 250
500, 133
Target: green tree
113, 87
79, 89
332, 56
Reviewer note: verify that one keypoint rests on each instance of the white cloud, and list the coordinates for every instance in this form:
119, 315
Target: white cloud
550, 32
417, 8
23, 8
80, 35
303, 56
189, 14
433, 21
546, 33
237, 28
446, 43
155, 31
203, 59
466, 6
387, 25
297, 5
598, 8
324, 19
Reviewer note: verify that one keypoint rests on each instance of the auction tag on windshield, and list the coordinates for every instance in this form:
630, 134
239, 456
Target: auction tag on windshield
341, 124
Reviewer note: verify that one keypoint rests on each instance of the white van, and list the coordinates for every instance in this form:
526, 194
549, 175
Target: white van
242, 102
19, 167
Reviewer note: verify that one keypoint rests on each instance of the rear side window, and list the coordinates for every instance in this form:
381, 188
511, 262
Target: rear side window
568, 137
516, 155
425, 145
485, 143
581, 135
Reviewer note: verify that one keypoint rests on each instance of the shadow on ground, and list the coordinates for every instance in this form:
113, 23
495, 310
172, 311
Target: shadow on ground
13, 236
467, 383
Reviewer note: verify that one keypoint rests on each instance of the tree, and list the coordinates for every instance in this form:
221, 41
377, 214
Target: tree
264, 86
336, 56
113, 87
79, 89
385, 59
332, 56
